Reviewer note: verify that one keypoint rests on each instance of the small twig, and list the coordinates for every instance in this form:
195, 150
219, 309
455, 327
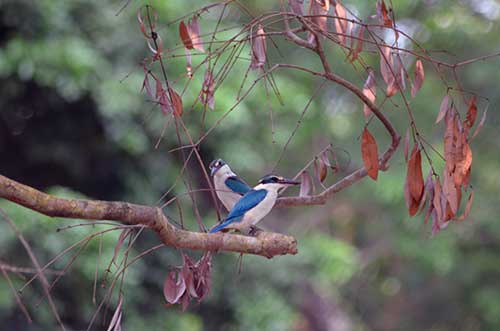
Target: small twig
34, 260
4, 269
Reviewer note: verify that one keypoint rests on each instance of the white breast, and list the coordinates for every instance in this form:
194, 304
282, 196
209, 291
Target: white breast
257, 213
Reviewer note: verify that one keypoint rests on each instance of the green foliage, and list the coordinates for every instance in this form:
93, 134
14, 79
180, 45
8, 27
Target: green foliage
334, 261
262, 308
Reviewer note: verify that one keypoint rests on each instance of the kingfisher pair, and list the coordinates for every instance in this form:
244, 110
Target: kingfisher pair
246, 205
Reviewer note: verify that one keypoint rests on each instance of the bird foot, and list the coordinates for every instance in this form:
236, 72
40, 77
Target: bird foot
254, 230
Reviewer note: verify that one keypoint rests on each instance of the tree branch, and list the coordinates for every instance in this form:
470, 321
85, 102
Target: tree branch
328, 74
265, 243
356, 175
291, 34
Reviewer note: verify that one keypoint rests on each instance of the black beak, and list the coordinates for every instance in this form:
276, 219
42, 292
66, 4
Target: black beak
288, 181
213, 170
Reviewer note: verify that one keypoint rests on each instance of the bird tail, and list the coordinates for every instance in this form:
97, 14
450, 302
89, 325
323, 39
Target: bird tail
218, 227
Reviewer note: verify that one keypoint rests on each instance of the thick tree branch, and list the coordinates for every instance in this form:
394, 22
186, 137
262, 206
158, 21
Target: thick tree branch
265, 243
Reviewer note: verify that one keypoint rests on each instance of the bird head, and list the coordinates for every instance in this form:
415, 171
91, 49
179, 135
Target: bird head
277, 181
215, 165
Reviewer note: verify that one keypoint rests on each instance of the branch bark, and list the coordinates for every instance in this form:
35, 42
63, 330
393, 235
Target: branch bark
265, 243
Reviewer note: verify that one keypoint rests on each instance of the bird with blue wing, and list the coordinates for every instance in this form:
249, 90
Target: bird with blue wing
228, 186
254, 205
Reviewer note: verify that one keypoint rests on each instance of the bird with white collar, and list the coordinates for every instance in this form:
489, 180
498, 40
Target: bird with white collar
228, 186
254, 205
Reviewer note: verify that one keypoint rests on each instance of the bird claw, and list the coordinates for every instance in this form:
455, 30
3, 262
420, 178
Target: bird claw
254, 230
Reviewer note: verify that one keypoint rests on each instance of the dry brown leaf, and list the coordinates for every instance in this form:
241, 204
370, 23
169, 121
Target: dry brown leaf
297, 6
369, 152
458, 159
320, 170
194, 33
430, 208
450, 141
401, 76
421, 203
481, 124
459, 139
141, 24
146, 85
340, 22
172, 289
465, 181
419, 78
384, 14
165, 97
408, 200
370, 91
392, 89
207, 92
463, 165
449, 214
428, 186
386, 63
411, 204
359, 44
319, 9
471, 114
348, 31
259, 49
389, 70
324, 158
323, 170
414, 175
435, 222
305, 184
437, 199
468, 206
451, 193
185, 37
443, 109
177, 103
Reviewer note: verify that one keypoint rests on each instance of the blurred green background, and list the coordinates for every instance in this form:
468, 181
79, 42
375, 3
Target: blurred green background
73, 122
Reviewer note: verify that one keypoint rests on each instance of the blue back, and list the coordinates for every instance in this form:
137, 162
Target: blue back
237, 185
251, 199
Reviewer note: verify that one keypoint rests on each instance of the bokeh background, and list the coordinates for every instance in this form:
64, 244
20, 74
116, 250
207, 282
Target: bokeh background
73, 122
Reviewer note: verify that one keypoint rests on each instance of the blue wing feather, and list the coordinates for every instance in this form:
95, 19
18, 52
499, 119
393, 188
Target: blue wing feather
251, 199
222, 225
247, 202
237, 185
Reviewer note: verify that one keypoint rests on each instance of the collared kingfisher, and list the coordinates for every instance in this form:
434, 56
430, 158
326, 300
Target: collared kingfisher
255, 204
228, 186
